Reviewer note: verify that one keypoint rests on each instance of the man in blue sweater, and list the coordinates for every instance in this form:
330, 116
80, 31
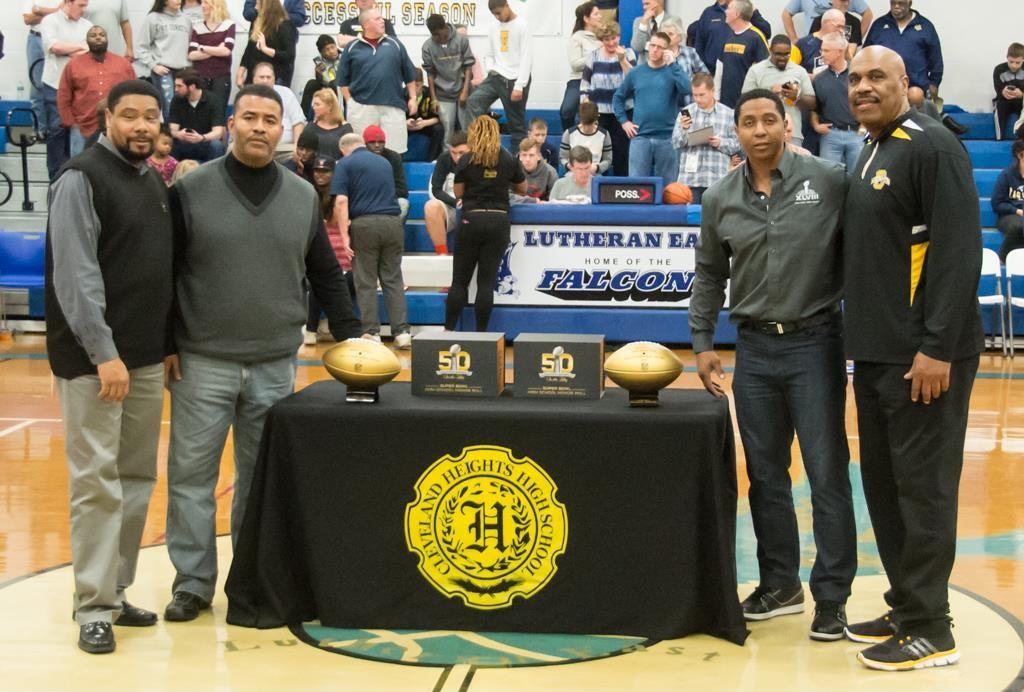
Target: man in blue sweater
373, 69
655, 89
711, 32
915, 40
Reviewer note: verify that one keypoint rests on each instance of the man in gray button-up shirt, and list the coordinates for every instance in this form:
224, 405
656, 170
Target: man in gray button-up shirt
778, 219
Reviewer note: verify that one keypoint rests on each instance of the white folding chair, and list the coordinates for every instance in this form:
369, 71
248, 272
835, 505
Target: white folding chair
991, 275
1014, 268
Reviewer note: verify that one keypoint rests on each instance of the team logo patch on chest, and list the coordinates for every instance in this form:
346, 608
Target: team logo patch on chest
807, 195
881, 179
486, 526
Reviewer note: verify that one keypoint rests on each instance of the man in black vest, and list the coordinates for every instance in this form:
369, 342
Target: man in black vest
108, 301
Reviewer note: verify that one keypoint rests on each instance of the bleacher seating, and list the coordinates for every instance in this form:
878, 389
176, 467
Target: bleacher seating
426, 299
22, 267
985, 179
989, 154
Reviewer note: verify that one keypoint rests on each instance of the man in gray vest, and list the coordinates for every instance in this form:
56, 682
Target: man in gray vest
248, 232
108, 302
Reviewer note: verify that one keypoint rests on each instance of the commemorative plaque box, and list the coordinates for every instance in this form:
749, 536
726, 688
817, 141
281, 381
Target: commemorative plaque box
458, 364
560, 365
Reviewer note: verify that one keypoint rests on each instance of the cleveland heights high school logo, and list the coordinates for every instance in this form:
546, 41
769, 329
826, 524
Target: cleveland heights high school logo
486, 526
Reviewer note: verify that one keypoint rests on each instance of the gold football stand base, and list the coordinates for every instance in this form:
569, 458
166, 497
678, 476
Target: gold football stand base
643, 399
362, 395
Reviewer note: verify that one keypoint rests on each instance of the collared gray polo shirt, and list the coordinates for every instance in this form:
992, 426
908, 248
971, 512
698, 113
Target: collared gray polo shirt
782, 252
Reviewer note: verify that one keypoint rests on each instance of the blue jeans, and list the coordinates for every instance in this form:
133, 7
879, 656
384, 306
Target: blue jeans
56, 133
842, 146
35, 56
165, 85
797, 382
213, 396
76, 142
570, 107
648, 156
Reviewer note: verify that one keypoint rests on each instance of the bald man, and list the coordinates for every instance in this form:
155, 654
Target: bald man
807, 50
912, 256
813, 9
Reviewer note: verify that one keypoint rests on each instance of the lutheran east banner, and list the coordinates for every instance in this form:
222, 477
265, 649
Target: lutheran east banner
598, 266
410, 17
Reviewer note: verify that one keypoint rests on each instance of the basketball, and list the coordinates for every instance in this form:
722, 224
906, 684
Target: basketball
677, 193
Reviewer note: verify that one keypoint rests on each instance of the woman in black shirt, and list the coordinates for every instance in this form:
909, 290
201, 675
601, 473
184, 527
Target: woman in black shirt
482, 184
272, 38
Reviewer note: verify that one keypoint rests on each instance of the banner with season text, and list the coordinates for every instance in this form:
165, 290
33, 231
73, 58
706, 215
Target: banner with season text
410, 16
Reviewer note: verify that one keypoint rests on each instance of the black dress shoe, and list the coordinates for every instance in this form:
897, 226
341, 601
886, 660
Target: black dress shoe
953, 126
96, 638
184, 606
132, 616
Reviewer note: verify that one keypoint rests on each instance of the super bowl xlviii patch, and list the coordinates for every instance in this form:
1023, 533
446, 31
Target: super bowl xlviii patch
807, 195
486, 527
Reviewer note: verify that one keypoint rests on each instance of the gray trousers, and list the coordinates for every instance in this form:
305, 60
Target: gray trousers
111, 449
448, 112
378, 242
212, 397
496, 87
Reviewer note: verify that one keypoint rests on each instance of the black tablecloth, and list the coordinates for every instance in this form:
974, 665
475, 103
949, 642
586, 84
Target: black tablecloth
650, 496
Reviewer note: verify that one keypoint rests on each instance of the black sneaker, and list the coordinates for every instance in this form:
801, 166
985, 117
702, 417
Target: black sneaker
767, 603
96, 638
185, 606
872, 631
905, 651
829, 621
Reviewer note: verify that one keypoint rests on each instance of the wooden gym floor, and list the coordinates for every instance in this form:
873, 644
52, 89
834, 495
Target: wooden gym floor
37, 643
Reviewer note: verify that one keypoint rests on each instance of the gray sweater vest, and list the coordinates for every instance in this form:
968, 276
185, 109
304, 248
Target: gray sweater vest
239, 280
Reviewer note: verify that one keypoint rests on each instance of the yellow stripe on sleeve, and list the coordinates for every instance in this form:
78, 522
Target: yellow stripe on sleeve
917, 255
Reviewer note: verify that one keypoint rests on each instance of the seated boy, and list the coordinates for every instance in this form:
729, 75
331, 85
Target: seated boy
574, 186
590, 135
538, 132
439, 211
426, 120
540, 177
1008, 81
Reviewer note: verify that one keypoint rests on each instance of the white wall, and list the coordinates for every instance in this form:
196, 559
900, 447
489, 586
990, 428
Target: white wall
975, 36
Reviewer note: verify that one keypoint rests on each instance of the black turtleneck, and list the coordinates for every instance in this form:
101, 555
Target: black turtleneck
255, 183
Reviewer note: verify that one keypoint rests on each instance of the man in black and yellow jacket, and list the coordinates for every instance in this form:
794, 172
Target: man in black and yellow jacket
912, 260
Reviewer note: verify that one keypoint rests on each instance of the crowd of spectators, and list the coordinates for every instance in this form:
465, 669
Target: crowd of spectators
660, 106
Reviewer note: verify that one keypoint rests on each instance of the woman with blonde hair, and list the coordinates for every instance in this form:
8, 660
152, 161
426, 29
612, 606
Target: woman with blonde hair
272, 38
481, 186
213, 40
182, 169
328, 123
